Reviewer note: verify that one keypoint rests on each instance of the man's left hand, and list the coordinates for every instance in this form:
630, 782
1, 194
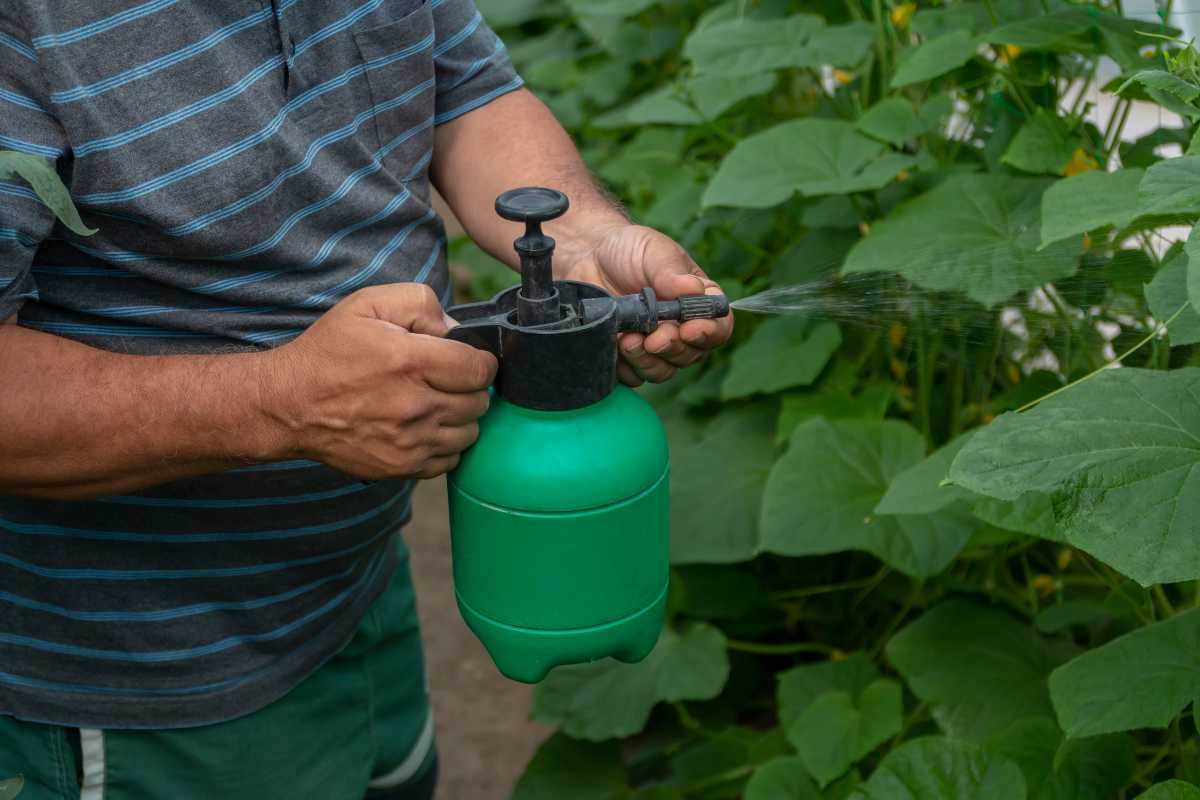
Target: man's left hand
629, 258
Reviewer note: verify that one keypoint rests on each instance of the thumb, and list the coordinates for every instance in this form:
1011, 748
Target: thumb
669, 285
412, 306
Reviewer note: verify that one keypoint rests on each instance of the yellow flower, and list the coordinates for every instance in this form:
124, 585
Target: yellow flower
1044, 585
863, 229
902, 13
896, 335
1014, 374
903, 175
899, 369
838, 655
1086, 244
986, 419
1080, 162
1009, 52
1064, 558
842, 76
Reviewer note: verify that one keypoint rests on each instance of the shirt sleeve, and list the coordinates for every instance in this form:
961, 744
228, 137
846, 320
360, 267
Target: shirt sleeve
26, 126
472, 65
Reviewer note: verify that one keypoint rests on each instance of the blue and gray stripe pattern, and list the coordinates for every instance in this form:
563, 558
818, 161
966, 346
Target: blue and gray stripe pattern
248, 163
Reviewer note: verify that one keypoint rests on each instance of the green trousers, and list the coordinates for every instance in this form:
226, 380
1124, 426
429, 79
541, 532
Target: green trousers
359, 727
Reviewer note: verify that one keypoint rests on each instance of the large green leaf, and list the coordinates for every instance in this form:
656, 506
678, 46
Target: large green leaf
1118, 455
566, 767
961, 656
1098, 766
690, 102
715, 502
784, 352
1171, 187
974, 233
1171, 790
871, 403
606, 699
935, 57
1061, 29
1191, 251
919, 489
506, 13
724, 751
609, 8
748, 46
821, 498
800, 686
1087, 201
837, 45
1141, 680
784, 778
810, 156
1167, 90
937, 768
1167, 293
39, 173
1031, 513
1043, 144
895, 120
840, 727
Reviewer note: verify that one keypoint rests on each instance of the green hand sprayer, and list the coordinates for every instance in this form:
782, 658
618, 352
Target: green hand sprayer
558, 513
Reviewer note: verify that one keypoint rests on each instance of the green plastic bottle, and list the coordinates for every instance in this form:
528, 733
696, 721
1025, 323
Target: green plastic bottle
560, 534
559, 512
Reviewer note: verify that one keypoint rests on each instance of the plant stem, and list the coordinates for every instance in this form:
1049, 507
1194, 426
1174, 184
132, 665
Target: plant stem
881, 45
718, 779
764, 649
828, 588
1157, 330
1161, 596
909, 602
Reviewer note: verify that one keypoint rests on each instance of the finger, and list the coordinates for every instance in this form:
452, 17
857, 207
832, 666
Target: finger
668, 344
658, 372
628, 374
451, 366
452, 440
680, 278
464, 408
437, 466
412, 306
708, 334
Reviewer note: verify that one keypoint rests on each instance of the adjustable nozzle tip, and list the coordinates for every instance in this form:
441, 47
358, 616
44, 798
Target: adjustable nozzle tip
694, 306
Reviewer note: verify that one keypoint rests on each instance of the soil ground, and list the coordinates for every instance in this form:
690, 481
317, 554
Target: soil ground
485, 736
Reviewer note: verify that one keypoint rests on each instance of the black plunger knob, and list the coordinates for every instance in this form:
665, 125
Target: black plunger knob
537, 302
532, 204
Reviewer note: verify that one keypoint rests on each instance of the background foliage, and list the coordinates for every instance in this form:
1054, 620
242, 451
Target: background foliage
888, 583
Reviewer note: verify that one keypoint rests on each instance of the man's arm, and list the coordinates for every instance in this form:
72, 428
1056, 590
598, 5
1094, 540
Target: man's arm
515, 141
372, 389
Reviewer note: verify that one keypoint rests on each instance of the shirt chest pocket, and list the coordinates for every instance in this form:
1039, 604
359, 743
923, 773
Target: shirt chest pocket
398, 57
375, 78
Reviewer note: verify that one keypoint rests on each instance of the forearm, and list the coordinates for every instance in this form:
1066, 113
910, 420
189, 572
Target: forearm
515, 141
76, 422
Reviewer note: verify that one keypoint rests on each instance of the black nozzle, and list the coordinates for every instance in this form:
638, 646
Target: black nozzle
694, 306
644, 311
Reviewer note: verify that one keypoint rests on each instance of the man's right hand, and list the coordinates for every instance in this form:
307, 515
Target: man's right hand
374, 389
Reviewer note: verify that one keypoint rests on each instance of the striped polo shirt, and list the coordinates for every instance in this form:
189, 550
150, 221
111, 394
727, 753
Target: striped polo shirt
248, 164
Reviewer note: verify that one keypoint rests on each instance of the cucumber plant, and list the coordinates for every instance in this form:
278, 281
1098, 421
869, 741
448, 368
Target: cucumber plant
909, 562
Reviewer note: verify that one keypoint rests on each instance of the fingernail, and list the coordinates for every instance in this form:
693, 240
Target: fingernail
660, 350
451, 322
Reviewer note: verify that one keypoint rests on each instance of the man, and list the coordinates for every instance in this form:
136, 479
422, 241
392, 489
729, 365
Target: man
199, 595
